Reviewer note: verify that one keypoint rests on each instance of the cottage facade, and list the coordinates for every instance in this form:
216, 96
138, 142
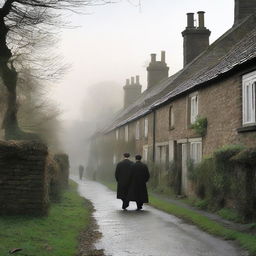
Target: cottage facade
216, 89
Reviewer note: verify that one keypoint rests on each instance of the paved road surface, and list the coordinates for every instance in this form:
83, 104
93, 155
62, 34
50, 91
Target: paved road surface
149, 232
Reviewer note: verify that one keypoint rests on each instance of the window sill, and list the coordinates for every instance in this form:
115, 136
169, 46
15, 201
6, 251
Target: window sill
247, 129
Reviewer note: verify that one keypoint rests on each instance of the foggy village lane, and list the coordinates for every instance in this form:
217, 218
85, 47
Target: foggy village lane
149, 232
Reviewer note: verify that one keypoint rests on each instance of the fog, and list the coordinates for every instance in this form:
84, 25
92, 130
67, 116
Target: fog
113, 43
100, 101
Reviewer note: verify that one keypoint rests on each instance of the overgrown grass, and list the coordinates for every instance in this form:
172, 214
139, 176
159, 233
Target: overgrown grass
246, 241
54, 235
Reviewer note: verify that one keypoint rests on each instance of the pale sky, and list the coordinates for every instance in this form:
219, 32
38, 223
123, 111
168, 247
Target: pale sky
114, 42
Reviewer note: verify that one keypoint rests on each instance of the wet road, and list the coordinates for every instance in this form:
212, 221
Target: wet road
149, 232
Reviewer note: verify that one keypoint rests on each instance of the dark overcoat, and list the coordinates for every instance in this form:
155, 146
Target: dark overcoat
123, 178
138, 188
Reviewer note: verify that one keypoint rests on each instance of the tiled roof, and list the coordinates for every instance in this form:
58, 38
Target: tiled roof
235, 47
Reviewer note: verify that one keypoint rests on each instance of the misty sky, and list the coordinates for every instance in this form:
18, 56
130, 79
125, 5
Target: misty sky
114, 42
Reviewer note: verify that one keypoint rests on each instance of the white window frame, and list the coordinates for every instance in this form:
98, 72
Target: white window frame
117, 134
249, 98
137, 130
193, 108
171, 117
126, 133
196, 151
161, 152
146, 127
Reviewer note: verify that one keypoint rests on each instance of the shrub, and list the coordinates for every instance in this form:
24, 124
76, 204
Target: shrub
246, 156
162, 180
202, 204
226, 152
227, 179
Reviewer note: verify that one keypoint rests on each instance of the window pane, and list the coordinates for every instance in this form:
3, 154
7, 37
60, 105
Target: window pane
146, 128
194, 109
196, 152
253, 102
171, 117
249, 94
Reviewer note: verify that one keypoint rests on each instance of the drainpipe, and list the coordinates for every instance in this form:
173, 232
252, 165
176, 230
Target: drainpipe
154, 135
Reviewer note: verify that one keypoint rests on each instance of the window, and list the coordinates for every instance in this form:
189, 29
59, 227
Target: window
196, 151
162, 154
117, 134
137, 130
146, 127
193, 108
145, 153
171, 118
114, 159
126, 133
249, 85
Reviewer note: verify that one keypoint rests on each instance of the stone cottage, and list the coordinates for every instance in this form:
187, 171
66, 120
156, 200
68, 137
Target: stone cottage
215, 90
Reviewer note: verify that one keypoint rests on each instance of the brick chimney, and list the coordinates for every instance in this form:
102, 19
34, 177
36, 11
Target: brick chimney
131, 91
196, 39
157, 70
244, 8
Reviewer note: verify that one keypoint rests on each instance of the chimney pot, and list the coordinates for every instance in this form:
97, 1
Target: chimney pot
190, 17
127, 81
132, 78
153, 57
201, 19
137, 79
195, 43
163, 56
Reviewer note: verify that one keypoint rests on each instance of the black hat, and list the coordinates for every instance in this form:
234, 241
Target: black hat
126, 155
138, 157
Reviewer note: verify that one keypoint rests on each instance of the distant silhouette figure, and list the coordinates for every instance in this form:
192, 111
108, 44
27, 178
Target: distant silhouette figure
123, 176
139, 177
81, 171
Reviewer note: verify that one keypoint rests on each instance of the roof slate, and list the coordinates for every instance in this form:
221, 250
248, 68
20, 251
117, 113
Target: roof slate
235, 47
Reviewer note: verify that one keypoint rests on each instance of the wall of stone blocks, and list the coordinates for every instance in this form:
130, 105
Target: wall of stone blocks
63, 162
23, 178
221, 104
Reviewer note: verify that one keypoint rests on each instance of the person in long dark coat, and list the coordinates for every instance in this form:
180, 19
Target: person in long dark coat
123, 178
138, 188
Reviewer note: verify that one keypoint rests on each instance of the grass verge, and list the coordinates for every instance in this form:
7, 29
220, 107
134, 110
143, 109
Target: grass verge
54, 235
246, 241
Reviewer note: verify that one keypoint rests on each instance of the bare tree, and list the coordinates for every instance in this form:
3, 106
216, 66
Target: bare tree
21, 22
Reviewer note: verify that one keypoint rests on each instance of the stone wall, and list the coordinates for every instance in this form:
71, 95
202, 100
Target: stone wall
23, 178
63, 162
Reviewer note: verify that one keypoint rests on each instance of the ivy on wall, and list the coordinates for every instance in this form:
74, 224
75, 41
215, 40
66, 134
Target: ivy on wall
200, 126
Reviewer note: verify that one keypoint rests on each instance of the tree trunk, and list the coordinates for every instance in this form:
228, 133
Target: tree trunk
9, 76
10, 123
